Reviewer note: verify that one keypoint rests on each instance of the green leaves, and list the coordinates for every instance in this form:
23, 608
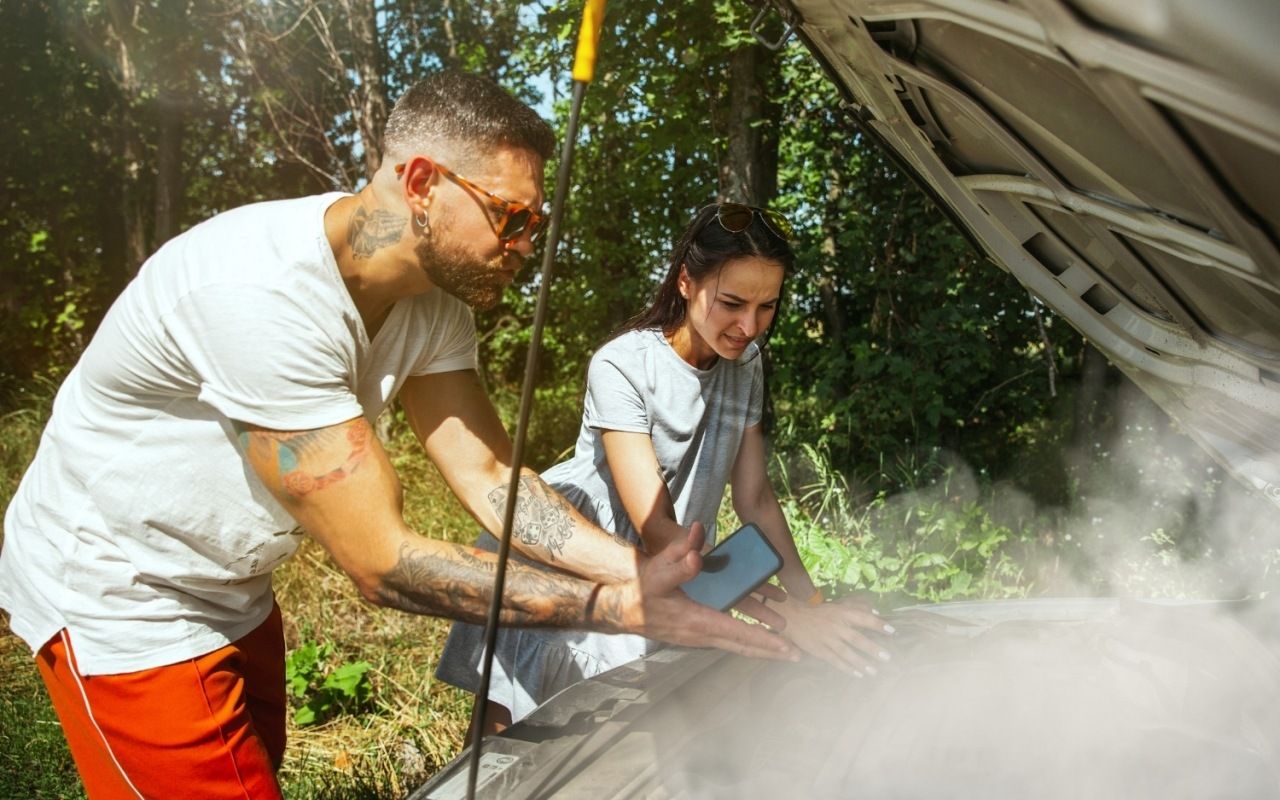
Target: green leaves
38, 240
325, 689
929, 543
893, 335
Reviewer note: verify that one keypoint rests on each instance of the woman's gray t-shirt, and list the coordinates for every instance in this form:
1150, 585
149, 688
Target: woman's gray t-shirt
694, 417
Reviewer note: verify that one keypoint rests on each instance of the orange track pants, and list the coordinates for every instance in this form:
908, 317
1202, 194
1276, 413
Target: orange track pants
211, 727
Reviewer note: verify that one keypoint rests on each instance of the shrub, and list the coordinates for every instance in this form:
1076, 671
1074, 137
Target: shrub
934, 542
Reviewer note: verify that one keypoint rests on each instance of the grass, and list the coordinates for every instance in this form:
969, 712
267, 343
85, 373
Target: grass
34, 761
945, 533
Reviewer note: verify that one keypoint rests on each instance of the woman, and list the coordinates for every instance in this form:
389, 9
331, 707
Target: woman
671, 415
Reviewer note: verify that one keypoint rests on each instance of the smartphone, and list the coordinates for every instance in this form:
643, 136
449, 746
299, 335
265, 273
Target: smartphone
740, 563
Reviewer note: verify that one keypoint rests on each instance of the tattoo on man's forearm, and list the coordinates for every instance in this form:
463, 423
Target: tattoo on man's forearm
542, 516
607, 610
428, 584
369, 231
458, 583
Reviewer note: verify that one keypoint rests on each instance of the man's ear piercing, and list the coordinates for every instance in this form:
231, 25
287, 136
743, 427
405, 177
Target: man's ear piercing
423, 221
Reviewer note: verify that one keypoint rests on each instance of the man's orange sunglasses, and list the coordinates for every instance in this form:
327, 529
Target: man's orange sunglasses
516, 218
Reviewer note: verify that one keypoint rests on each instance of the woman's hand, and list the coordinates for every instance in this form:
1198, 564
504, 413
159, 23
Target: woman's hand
836, 632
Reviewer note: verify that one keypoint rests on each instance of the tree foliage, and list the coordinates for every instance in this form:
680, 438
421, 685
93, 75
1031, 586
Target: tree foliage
130, 120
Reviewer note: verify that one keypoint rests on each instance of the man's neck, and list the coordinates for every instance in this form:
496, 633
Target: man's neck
367, 243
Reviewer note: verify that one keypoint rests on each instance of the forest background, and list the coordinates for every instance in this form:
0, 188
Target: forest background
936, 432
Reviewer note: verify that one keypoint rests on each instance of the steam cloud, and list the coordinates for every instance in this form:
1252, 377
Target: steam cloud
1069, 696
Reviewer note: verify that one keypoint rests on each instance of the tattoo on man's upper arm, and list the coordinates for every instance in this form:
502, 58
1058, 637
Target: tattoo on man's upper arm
542, 516
296, 454
370, 231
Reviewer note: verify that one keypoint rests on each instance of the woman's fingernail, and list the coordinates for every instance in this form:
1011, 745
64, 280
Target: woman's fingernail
873, 611
890, 629
882, 655
870, 670
857, 674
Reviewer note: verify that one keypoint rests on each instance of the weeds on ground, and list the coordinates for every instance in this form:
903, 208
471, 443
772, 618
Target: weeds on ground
322, 687
34, 760
943, 533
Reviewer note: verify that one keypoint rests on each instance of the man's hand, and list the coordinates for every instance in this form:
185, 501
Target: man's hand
654, 606
836, 632
757, 609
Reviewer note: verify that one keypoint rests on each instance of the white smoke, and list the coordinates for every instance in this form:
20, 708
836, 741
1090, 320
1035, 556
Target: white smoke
1146, 664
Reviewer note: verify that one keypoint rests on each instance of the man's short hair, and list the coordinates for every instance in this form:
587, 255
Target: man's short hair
468, 116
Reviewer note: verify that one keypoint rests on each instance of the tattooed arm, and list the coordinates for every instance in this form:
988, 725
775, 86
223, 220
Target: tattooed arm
338, 483
340, 486
456, 423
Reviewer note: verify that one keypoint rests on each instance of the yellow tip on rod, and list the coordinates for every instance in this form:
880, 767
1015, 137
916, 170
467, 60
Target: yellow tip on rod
584, 61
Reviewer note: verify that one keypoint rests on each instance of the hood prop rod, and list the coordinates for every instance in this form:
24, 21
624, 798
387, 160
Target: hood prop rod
583, 71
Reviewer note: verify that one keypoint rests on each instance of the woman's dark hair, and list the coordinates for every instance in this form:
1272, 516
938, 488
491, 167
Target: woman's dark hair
703, 248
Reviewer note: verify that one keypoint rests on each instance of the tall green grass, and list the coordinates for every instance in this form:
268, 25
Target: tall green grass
933, 539
34, 760
930, 535
35, 763
932, 530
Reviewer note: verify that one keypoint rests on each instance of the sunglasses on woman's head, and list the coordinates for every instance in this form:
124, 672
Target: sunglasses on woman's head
736, 218
515, 218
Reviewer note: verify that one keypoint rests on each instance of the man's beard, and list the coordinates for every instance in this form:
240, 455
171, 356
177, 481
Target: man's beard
475, 281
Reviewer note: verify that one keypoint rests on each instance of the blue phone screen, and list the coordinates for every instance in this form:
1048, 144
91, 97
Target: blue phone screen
733, 568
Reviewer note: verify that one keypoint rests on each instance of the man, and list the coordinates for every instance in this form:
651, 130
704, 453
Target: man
224, 407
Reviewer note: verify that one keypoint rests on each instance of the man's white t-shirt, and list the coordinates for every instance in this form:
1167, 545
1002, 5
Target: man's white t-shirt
139, 526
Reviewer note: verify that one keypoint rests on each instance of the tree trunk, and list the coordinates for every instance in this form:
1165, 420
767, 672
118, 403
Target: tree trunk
749, 165
170, 179
120, 33
133, 222
368, 56
1093, 385
828, 291
451, 51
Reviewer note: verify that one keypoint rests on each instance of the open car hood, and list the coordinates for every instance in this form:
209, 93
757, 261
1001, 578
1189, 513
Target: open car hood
1052, 698
1120, 159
